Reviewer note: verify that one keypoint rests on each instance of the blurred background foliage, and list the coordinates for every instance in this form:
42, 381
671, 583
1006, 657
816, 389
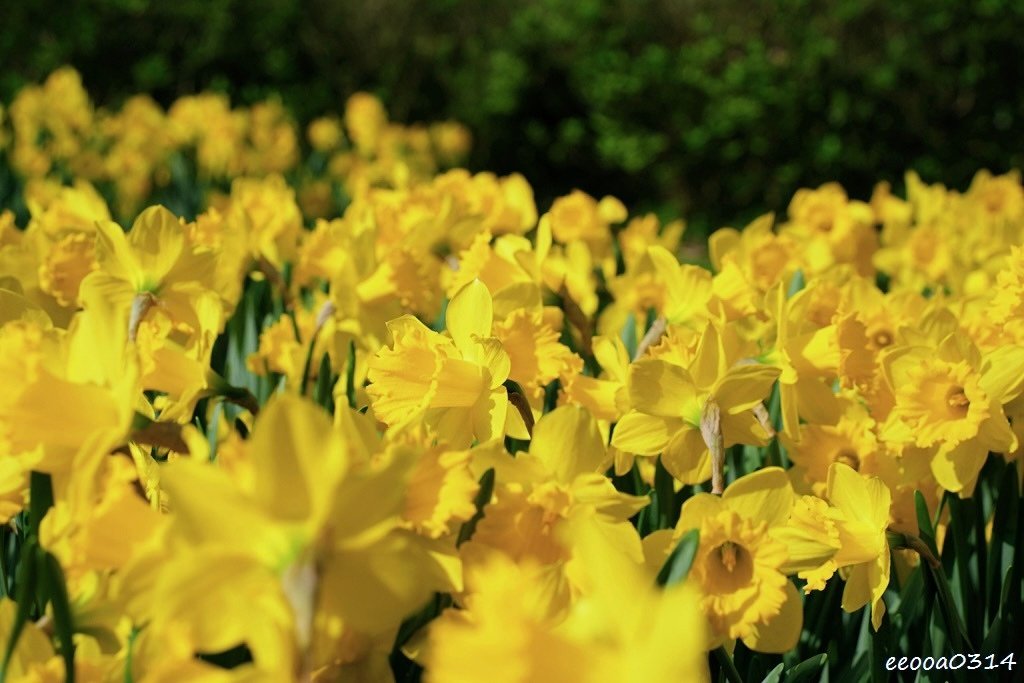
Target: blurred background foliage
713, 109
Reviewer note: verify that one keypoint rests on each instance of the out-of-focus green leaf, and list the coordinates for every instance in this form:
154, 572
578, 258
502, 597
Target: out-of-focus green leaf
678, 564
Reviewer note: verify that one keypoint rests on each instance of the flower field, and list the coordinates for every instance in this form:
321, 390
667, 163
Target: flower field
284, 404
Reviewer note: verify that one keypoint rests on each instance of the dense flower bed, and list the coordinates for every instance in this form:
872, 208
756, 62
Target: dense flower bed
439, 433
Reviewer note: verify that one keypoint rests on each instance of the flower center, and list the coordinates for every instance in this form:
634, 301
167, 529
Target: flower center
728, 554
735, 566
882, 338
848, 456
957, 401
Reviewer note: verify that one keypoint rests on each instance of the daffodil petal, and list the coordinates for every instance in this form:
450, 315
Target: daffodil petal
657, 387
687, 458
469, 314
782, 632
568, 442
957, 468
765, 495
645, 434
745, 386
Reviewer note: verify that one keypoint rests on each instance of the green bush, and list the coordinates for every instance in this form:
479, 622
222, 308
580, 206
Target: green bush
714, 109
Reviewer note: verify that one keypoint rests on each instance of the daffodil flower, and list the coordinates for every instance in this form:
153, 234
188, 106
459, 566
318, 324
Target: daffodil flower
313, 540
548, 494
951, 399
455, 383
741, 565
153, 265
858, 517
621, 628
671, 403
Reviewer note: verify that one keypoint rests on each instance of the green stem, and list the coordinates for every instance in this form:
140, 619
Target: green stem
728, 667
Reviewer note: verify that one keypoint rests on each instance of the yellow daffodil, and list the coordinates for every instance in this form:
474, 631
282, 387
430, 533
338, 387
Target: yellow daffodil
740, 565
860, 515
578, 216
605, 396
71, 396
465, 493
748, 263
851, 441
550, 493
623, 628
947, 398
536, 356
831, 229
315, 542
683, 413
454, 383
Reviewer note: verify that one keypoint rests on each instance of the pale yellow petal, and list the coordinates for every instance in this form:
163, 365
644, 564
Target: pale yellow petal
657, 387
157, 238
115, 256
696, 509
686, 457
957, 468
765, 495
568, 442
1002, 374
296, 457
860, 498
782, 632
745, 386
645, 434
469, 314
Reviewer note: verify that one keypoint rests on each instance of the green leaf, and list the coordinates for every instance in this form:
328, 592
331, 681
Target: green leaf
130, 655
40, 500
796, 284
323, 389
482, 498
863, 646
926, 531
212, 429
993, 636
807, 669
6, 537
350, 375
24, 593
721, 656
678, 564
56, 589
628, 335
947, 606
244, 338
966, 590
665, 495
878, 647
307, 365
774, 676
1001, 548
910, 600
996, 631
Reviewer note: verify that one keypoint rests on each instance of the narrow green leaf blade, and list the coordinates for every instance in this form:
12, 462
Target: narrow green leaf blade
56, 588
678, 564
24, 593
807, 669
40, 499
775, 675
483, 497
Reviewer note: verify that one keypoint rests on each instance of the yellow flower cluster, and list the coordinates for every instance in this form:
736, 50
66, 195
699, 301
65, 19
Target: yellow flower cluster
54, 131
444, 428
